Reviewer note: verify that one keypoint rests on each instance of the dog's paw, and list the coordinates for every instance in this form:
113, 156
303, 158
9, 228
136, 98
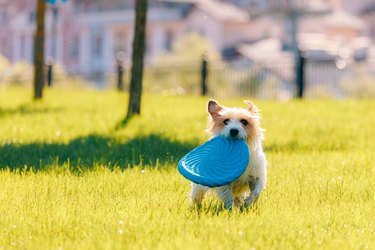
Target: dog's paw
238, 202
195, 207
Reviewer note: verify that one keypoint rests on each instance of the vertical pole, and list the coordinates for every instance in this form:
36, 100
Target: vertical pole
55, 14
120, 70
300, 74
49, 62
120, 81
49, 75
204, 73
293, 17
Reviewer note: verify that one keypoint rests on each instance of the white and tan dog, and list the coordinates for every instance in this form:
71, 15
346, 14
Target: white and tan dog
237, 123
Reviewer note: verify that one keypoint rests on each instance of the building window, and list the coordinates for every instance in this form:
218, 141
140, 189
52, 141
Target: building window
148, 48
3, 46
32, 17
74, 48
120, 42
97, 46
97, 42
372, 32
169, 40
3, 17
22, 47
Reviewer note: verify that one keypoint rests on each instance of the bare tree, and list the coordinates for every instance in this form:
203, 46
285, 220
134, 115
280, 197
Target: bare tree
135, 92
39, 50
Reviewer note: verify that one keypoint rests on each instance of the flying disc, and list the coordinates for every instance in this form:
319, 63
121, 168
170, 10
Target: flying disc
215, 163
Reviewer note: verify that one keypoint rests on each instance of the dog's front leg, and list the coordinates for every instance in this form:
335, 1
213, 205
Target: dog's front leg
256, 188
225, 194
197, 194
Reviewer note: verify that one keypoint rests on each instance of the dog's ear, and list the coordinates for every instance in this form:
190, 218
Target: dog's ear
252, 108
214, 107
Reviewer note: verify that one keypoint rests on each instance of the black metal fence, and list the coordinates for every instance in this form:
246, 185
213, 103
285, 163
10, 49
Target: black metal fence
243, 78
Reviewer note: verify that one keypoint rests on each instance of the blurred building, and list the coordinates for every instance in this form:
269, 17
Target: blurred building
368, 15
85, 36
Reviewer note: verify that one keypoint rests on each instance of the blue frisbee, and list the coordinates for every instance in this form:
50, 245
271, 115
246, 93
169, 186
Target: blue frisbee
215, 163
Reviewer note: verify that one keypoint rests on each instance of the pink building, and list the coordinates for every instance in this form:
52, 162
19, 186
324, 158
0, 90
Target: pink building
16, 29
86, 35
368, 15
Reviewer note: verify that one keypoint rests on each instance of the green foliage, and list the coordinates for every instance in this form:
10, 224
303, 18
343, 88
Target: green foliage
75, 176
179, 71
189, 50
360, 85
4, 68
173, 80
21, 74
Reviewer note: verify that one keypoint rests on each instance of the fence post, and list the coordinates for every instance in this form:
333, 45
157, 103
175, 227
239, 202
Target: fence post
120, 82
204, 73
300, 73
50, 61
120, 70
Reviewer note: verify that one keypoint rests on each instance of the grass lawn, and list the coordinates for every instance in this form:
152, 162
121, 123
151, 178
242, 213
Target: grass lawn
73, 175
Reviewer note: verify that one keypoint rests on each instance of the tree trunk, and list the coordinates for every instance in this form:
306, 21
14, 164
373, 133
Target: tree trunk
135, 92
39, 50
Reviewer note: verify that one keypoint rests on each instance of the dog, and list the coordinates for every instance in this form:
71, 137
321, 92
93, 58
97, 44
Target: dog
237, 123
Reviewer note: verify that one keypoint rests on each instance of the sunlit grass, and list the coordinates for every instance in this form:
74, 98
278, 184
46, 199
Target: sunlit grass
73, 177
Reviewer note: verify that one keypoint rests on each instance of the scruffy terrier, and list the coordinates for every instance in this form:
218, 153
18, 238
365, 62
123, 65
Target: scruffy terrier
237, 123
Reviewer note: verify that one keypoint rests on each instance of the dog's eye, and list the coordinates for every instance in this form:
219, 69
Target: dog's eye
244, 122
226, 121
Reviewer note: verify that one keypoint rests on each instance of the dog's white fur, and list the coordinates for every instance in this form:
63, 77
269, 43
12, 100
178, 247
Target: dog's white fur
246, 189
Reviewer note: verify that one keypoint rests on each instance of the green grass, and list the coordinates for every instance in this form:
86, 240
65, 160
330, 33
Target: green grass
73, 175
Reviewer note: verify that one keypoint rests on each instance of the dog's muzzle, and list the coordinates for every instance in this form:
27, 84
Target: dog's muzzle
234, 132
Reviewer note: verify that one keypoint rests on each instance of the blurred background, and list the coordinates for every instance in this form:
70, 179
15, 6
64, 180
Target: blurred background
265, 49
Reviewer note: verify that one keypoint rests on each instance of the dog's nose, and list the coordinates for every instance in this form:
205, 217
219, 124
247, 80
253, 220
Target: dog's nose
233, 132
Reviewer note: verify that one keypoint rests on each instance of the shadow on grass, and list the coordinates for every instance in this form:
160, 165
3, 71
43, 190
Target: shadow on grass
86, 152
27, 110
122, 123
298, 147
215, 207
